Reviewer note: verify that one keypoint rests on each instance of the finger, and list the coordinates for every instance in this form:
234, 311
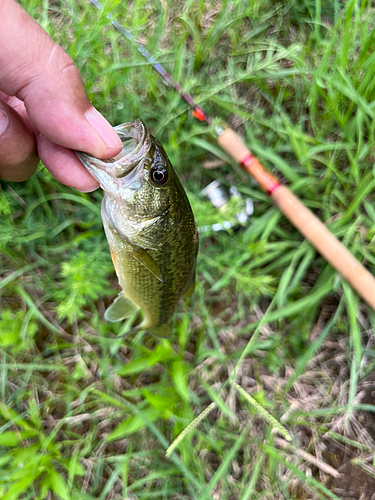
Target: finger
61, 162
18, 158
44, 77
65, 166
19, 106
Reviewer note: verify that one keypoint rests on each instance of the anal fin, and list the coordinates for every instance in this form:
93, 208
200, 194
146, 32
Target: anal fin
120, 308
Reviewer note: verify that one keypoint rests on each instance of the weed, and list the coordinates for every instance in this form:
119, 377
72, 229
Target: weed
86, 414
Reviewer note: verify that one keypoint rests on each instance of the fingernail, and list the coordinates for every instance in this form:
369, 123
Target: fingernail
87, 190
4, 121
103, 128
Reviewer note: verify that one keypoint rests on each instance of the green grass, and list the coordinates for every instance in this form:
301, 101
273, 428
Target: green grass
86, 415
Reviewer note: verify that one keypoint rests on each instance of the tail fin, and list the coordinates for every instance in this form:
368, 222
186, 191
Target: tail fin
163, 331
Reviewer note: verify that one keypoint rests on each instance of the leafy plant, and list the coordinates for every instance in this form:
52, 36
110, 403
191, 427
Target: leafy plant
89, 412
83, 281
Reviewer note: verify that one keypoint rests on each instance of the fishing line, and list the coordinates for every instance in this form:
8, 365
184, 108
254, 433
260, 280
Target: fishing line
298, 214
197, 110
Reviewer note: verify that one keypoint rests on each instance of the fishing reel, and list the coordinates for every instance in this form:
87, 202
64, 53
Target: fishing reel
230, 203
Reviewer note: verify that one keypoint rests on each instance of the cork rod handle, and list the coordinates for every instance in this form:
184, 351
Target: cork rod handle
303, 219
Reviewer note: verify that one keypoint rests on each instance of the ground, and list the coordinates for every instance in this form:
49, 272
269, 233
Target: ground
276, 343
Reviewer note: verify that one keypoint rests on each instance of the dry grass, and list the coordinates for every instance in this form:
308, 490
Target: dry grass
87, 415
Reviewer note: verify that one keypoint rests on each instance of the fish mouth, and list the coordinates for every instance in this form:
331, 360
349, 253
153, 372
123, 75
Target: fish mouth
135, 146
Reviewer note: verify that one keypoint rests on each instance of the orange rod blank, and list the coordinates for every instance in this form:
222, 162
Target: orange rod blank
303, 219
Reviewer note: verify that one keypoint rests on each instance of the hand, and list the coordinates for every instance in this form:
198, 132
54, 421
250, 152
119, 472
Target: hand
44, 110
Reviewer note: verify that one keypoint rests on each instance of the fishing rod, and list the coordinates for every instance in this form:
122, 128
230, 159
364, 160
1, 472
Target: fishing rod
298, 214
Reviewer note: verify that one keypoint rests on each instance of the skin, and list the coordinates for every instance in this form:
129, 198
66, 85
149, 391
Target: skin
44, 110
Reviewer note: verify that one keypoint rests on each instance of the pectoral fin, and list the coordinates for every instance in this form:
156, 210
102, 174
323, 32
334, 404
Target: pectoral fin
145, 259
114, 260
120, 308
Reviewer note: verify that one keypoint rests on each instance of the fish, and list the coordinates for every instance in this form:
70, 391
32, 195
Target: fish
150, 229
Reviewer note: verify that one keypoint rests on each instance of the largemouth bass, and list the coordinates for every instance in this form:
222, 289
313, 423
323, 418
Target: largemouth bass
149, 226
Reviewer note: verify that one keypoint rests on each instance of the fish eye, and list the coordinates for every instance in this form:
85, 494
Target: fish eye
159, 175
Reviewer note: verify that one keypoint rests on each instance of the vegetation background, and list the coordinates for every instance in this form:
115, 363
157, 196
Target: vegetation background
86, 415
